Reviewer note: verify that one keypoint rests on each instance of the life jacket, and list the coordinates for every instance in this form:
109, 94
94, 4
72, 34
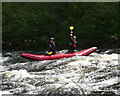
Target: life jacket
52, 46
74, 45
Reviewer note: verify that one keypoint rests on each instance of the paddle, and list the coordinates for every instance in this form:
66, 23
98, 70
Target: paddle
49, 53
71, 28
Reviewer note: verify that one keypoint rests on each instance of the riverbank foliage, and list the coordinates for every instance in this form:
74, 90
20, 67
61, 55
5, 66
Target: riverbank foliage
31, 24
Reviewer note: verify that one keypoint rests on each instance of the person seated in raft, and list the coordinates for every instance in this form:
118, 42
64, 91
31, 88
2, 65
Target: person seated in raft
52, 47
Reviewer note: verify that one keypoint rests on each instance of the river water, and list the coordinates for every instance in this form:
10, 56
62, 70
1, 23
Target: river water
95, 74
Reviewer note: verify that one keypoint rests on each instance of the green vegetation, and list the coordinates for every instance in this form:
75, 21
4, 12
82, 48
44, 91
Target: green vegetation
29, 25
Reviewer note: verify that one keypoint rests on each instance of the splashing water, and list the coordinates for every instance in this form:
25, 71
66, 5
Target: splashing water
94, 74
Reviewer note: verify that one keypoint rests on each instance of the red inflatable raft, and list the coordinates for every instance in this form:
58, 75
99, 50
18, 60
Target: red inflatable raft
60, 55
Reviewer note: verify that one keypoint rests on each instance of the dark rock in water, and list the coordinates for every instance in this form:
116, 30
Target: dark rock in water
8, 55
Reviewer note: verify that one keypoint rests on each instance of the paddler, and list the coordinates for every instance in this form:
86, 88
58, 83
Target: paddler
52, 47
73, 41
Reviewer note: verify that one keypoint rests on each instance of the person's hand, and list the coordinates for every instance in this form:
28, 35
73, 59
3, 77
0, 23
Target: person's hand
71, 32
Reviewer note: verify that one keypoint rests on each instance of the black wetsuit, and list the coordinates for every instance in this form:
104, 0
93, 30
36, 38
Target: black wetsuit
52, 48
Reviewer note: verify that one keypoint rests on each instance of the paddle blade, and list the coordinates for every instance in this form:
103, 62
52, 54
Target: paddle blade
71, 27
50, 53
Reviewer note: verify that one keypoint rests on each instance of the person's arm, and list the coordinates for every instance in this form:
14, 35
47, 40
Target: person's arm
53, 47
71, 35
